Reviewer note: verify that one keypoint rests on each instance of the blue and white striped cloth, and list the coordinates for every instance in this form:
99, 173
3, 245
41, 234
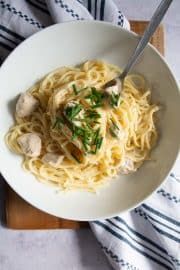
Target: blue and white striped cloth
21, 18
148, 237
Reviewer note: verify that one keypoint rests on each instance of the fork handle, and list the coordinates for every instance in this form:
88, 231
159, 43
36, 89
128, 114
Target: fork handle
151, 28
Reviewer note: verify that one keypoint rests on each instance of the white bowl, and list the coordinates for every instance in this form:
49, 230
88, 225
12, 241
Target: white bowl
71, 44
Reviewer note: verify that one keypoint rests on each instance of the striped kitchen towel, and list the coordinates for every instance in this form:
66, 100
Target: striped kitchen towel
148, 237
21, 18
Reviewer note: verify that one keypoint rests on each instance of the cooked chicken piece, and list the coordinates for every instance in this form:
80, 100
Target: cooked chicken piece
30, 144
53, 159
127, 166
25, 105
114, 87
79, 115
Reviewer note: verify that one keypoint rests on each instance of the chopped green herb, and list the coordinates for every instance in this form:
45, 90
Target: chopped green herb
85, 144
90, 117
78, 119
95, 98
90, 138
96, 134
71, 112
88, 126
112, 132
96, 122
74, 136
59, 121
92, 114
77, 132
84, 133
114, 99
114, 129
75, 89
114, 124
99, 142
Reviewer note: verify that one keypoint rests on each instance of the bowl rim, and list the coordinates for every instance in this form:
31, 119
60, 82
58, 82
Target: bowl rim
88, 22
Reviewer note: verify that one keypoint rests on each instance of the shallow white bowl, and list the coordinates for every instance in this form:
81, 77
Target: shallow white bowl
71, 44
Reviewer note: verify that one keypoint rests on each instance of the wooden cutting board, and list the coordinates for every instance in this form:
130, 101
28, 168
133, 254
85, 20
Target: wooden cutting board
20, 214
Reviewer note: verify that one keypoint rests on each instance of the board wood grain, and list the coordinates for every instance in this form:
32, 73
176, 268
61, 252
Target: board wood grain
20, 214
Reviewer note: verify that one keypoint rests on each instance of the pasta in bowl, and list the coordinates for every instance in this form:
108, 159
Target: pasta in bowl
53, 132
75, 133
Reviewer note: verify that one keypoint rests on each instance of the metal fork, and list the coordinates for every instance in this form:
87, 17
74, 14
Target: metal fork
151, 28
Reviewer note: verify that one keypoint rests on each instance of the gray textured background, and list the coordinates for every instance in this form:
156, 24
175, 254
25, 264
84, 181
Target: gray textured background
77, 250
